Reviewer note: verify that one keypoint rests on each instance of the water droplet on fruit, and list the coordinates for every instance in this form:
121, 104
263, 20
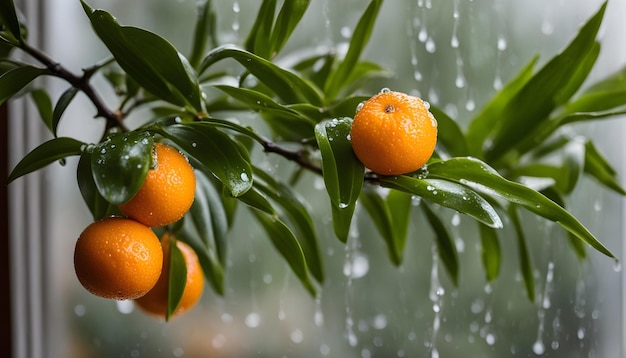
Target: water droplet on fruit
360, 106
384, 90
426, 104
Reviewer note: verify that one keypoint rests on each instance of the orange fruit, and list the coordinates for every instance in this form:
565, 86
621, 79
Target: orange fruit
167, 192
118, 258
393, 133
155, 301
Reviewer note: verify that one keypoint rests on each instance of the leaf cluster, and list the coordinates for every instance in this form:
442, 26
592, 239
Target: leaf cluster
481, 172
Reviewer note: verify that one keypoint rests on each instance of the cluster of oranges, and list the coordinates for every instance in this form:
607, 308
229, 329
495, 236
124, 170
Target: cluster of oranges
122, 258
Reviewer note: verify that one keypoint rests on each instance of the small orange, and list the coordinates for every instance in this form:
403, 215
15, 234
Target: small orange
118, 258
155, 301
393, 133
167, 192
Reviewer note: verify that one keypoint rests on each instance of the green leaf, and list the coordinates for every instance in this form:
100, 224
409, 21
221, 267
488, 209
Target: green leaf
149, 59
257, 200
484, 179
449, 133
258, 40
288, 86
46, 153
399, 204
526, 267
287, 245
605, 94
577, 245
44, 106
205, 30
483, 124
255, 100
8, 17
294, 209
177, 279
545, 91
289, 16
600, 169
215, 150
12, 81
208, 214
381, 216
490, 251
337, 79
447, 194
60, 107
120, 165
343, 172
445, 244
97, 204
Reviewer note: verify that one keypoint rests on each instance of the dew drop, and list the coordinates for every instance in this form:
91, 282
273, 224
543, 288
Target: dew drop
539, 348
426, 104
431, 47
384, 90
617, 266
296, 336
360, 106
253, 320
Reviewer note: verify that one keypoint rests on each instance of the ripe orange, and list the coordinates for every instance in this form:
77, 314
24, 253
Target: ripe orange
118, 258
393, 133
167, 193
155, 301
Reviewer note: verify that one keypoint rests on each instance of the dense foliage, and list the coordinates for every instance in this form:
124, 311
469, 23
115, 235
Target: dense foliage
479, 172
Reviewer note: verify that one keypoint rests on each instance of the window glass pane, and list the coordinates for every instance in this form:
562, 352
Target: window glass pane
454, 54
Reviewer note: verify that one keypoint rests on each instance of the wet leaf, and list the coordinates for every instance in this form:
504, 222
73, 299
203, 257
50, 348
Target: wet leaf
288, 18
485, 180
448, 194
204, 31
97, 204
46, 153
380, 214
120, 165
343, 172
449, 134
215, 150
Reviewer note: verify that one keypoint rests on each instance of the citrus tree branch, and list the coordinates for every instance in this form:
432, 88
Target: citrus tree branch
79, 82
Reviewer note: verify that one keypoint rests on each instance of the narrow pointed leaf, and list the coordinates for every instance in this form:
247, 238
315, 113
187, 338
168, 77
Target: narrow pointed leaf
255, 199
287, 245
544, 92
449, 194
399, 204
44, 106
483, 124
12, 81
205, 31
445, 244
97, 204
600, 169
46, 153
288, 86
8, 17
526, 267
149, 59
605, 94
60, 107
214, 149
359, 40
380, 215
484, 179
177, 279
343, 172
289, 16
258, 40
295, 210
491, 254
120, 165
